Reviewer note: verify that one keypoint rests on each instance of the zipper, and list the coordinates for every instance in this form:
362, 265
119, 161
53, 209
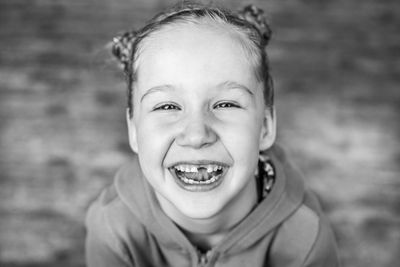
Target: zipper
203, 260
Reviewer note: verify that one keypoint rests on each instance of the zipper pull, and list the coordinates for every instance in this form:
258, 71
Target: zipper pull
203, 260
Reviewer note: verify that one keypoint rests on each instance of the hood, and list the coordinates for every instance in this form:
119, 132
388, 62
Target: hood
285, 197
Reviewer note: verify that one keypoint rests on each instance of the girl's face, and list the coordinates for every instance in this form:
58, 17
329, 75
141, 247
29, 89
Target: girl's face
199, 121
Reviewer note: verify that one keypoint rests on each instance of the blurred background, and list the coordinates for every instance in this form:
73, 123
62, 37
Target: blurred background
336, 66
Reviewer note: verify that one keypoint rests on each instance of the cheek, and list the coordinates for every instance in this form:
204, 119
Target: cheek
242, 142
243, 132
154, 139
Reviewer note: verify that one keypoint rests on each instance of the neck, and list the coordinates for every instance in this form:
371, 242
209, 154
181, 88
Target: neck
205, 242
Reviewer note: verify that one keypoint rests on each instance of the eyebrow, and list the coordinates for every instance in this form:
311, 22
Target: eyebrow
234, 85
159, 88
230, 85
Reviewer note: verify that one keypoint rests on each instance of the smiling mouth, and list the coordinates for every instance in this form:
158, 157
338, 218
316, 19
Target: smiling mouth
198, 177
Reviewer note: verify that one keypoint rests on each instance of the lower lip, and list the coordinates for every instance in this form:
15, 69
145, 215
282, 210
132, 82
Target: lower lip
197, 187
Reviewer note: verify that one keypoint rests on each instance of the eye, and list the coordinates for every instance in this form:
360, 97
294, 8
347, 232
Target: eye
226, 104
167, 106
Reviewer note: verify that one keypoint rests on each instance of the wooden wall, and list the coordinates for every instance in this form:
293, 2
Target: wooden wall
336, 67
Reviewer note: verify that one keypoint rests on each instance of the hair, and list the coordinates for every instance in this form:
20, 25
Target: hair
249, 23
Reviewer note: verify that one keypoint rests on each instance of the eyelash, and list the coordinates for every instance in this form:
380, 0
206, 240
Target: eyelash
169, 106
226, 105
172, 106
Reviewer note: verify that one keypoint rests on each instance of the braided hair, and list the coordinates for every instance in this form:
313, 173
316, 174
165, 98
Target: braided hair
249, 21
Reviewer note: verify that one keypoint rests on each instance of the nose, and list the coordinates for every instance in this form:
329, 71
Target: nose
196, 132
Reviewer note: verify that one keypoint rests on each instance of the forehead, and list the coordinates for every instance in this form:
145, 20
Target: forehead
194, 49
201, 27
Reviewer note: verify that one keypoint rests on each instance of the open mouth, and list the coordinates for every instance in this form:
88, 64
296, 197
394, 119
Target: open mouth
198, 177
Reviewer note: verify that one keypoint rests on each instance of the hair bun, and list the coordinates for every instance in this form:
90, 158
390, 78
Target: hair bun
256, 17
122, 46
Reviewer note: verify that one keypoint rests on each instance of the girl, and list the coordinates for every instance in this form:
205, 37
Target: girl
206, 186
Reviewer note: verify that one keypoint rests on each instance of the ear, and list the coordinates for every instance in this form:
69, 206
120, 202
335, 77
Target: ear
131, 132
268, 129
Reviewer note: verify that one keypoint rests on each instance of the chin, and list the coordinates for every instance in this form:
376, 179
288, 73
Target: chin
189, 205
200, 212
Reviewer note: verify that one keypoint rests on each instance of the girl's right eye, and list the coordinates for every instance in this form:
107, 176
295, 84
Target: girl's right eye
166, 107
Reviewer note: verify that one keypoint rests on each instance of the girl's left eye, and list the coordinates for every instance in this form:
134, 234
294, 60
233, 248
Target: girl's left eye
226, 105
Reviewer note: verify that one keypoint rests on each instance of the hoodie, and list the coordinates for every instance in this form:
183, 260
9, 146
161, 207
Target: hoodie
127, 227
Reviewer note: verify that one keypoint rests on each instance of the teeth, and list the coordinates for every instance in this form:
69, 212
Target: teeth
192, 168
198, 174
190, 181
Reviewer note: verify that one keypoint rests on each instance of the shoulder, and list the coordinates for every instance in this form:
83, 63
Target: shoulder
103, 245
114, 234
110, 217
112, 229
323, 251
305, 238
99, 210
115, 207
